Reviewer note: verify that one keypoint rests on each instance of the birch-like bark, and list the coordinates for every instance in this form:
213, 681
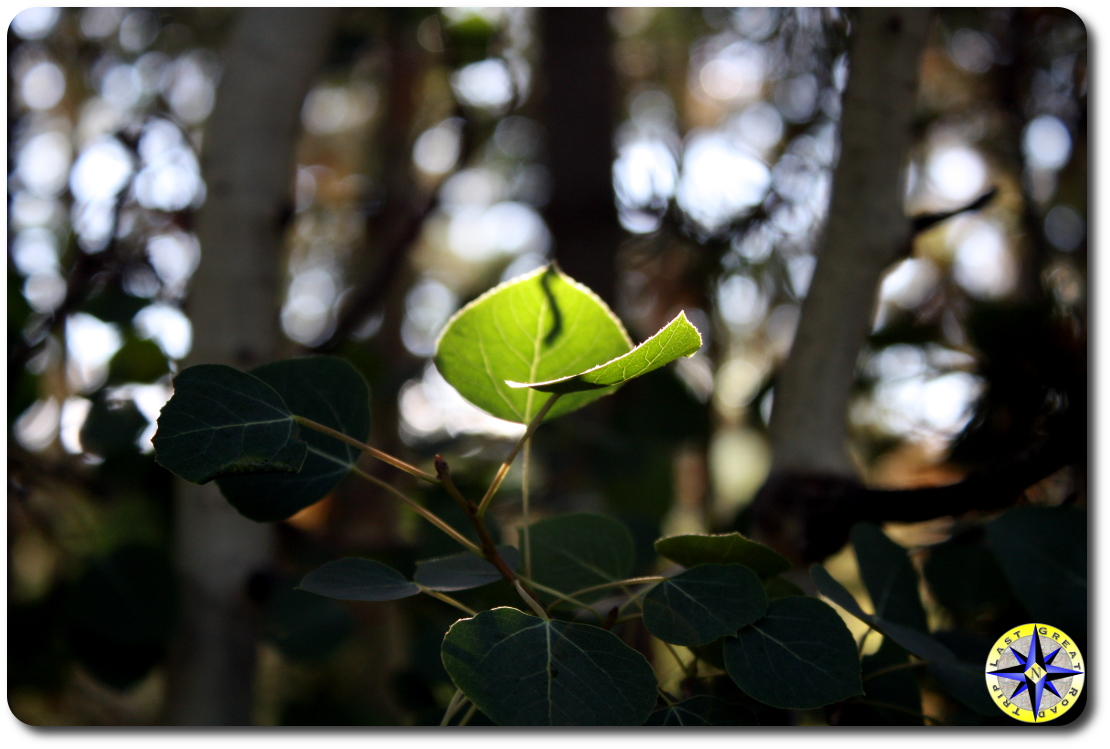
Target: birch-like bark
867, 229
271, 59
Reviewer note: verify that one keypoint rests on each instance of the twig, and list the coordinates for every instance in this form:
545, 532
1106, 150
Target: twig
504, 469
489, 548
457, 701
896, 667
423, 512
371, 451
620, 584
532, 602
469, 714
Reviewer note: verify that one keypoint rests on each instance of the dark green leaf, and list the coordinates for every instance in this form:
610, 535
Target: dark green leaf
221, 422
326, 390
704, 603
780, 587
702, 710
576, 551
524, 671
305, 627
889, 576
678, 338
354, 579
894, 684
726, 548
1043, 551
463, 571
799, 656
965, 578
953, 674
538, 327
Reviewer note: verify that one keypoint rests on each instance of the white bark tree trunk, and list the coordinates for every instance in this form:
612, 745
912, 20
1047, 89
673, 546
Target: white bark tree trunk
248, 162
866, 230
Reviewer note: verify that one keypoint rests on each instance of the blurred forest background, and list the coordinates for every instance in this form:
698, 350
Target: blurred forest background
213, 185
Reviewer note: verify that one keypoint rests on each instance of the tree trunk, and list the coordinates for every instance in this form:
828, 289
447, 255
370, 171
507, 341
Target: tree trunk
867, 230
579, 105
248, 162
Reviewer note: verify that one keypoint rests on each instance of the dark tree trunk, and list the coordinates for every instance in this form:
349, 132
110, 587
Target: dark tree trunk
579, 105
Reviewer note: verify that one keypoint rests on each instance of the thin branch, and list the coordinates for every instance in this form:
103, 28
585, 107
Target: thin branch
620, 584
927, 221
469, 714
532, 602
525, 532
504, 469
371, 451
489, 548
674, 653
423, 512
453, 706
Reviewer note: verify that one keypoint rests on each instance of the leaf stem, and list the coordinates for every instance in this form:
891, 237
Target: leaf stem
469, 714
504, 469
447, 599
563, 597
525, 533
457, 701
532, 602
489, 548
371, 451
425, 513
620, 584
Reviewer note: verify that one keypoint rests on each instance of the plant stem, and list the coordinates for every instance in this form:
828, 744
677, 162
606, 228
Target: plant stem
525, 540
898, 708
504, 469
371, 451
489, 549
632, 599
469, 714
666, 697
425, 513
532, 602
448, 599
620, 584
563, 597
896, 667
453, 707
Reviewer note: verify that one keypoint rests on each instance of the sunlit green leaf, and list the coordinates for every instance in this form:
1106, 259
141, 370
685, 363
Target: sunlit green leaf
538, 327
326, 390
726, 548
889, 576
521, 670
580, 550
702, 710
678, 338
354, 579
799, 656
704, 603
221, 422
462, 571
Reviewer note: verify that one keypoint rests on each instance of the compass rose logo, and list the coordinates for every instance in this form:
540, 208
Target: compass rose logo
1035, 673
